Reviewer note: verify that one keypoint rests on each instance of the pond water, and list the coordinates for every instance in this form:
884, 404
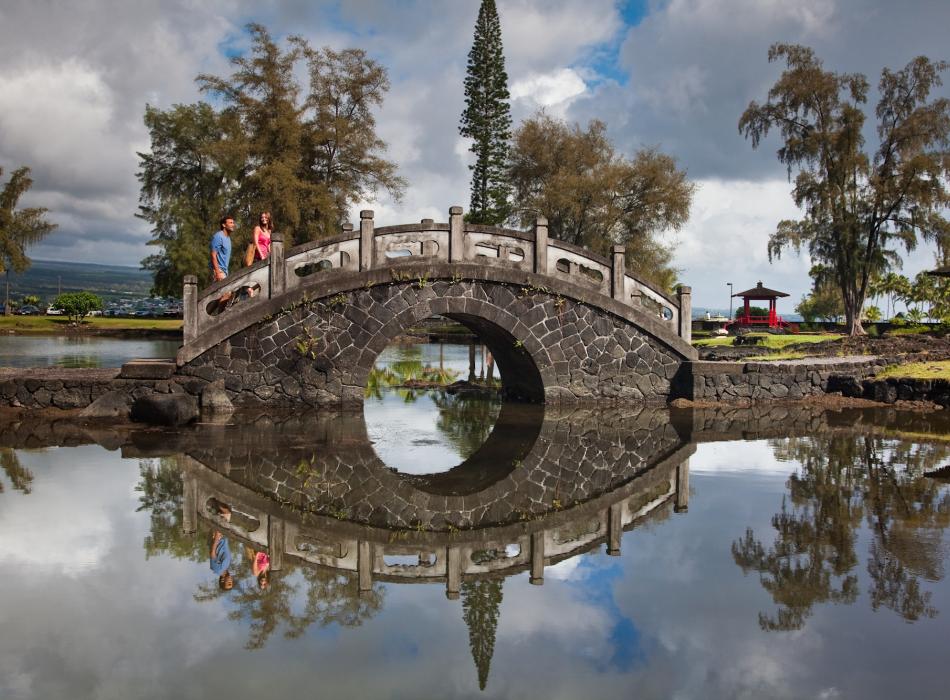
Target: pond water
71, 351
444, 544
781, 553
410, 429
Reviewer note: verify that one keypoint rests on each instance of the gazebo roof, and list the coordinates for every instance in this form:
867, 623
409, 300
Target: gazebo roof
940, 272
760, 292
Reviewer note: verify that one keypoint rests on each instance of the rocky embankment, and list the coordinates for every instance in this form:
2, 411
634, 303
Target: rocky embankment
838, 368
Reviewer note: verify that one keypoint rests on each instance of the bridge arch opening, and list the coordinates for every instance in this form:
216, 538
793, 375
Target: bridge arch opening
433, 414
520, 377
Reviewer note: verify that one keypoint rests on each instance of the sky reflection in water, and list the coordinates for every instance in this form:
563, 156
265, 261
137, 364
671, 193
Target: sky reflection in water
804, 567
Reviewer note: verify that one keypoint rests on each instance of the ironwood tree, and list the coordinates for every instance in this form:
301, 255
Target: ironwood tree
486, 120
188, 179
857, 205
595, 197
304, 153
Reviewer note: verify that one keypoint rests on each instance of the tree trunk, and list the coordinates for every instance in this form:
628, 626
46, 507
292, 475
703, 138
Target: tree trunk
853, 319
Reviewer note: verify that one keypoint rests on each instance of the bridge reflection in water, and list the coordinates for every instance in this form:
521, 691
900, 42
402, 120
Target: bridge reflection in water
543, 488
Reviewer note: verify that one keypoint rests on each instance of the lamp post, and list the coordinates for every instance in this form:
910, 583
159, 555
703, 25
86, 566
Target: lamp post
729, 284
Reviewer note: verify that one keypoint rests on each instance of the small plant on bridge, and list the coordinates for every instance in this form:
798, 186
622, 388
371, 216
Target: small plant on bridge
519, 344
457, 278
532, 289
422, 282
337, 300
399, 276
306, 344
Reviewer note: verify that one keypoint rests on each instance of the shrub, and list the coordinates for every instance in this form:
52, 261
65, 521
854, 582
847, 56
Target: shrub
77, 305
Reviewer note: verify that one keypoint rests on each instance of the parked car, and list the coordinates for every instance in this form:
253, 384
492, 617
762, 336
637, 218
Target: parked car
28, 310
53, 311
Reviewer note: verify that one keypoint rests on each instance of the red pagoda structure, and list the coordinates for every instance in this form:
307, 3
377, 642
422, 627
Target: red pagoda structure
744, 318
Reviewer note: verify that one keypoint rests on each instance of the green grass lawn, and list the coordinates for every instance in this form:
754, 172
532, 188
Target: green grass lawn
776, 342
918, 370
59, 324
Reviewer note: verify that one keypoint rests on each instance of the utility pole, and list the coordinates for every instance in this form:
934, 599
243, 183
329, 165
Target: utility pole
729, 284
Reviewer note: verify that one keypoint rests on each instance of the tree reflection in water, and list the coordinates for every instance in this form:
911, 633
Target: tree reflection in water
408, 368
480, 603
331, 596
20, 477
842, 481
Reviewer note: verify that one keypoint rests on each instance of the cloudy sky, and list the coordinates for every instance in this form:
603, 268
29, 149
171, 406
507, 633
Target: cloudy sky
75, 78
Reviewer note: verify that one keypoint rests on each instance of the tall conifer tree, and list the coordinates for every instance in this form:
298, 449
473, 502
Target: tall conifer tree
487, 120
480, 603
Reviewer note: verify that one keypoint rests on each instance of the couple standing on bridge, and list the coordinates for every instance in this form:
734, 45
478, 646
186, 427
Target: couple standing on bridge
258, 249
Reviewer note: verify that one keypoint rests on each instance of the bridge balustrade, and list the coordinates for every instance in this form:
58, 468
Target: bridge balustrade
455, 242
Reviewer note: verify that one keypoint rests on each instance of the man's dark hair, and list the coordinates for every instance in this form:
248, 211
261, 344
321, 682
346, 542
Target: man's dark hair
223, 219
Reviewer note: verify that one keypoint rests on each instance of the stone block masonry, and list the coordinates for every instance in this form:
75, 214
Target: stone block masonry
740, 382
548, 347
59, 388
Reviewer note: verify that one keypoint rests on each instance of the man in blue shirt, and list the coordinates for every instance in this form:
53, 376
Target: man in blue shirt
221, 254
221, 552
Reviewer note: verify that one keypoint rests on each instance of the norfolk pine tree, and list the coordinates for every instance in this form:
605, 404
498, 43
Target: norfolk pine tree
856, 206
487, 120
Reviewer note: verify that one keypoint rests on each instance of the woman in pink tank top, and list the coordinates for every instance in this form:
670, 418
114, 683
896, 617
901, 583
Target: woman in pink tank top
262, 234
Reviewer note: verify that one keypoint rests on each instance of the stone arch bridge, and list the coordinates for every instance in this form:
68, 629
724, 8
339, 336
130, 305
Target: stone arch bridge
564, 325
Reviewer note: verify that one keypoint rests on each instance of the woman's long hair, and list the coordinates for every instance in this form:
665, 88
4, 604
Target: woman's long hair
270, 221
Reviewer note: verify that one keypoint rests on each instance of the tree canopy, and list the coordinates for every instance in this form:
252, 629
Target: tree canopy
19, 227
595, 197
857, 206
824, 303
77, 305
304, 153
486, 120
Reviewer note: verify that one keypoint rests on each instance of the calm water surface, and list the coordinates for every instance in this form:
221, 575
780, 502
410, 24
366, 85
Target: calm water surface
62, 351
797, 555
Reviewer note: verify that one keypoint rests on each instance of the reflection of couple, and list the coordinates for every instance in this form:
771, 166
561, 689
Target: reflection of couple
220, 554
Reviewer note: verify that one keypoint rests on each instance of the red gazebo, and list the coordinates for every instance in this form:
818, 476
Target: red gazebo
760, 293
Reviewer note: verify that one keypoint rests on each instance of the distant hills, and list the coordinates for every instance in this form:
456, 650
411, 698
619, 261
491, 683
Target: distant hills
46, 278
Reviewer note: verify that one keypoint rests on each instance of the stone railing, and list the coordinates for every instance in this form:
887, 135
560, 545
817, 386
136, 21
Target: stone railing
454, 242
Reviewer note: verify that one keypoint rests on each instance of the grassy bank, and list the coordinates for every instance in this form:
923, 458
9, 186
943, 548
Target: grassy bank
919, 370
58, 325
775, 342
